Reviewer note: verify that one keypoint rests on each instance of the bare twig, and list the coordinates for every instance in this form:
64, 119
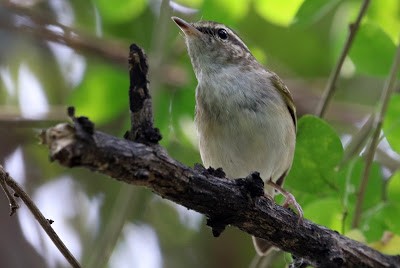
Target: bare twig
331, 85
39, 217
13, 203
379, 116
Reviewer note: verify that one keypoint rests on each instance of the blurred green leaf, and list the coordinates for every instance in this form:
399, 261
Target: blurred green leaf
311, 11
391, 125
119, 11
174, 117
372, 51
278, 12
349, 180
164, 215
103, 94
326, 211
384, 217
393, 188
387, 15
226, 11
318, 152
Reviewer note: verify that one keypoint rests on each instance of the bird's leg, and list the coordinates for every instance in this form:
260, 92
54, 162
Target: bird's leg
290, 200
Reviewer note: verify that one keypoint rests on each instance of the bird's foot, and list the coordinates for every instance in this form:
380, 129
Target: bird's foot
290, 200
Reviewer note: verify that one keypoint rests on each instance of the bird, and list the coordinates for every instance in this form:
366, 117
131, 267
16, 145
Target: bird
245, 115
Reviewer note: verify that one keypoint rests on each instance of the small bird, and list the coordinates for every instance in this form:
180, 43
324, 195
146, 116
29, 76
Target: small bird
245, 115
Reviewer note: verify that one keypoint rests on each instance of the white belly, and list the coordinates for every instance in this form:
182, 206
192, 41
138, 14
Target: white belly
242, 143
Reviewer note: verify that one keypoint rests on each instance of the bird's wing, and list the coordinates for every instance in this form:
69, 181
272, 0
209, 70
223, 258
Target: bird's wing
285, 93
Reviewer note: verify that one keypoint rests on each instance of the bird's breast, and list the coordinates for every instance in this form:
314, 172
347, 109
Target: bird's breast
243, 135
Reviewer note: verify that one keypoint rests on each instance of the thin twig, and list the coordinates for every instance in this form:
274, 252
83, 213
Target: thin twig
42, 221
379, 116
331, 85
13, 203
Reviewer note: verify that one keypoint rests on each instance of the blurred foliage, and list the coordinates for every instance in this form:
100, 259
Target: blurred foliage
391, 125
299, 39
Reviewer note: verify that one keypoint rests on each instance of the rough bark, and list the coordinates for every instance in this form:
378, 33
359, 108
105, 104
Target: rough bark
241, 203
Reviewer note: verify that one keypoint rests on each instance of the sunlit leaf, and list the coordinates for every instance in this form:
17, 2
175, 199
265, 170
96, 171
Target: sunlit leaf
318, 152
386, 14
389, 244
311, 11
391, 126
278, 12
357, 235
372, 51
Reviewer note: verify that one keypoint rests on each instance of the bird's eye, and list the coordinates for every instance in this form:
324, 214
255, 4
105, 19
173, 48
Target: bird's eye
223, 34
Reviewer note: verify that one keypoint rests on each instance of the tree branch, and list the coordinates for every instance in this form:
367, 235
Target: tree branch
331, 85
239, 202
236, 202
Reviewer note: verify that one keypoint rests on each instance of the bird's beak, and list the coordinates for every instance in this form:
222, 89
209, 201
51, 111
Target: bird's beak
186, 27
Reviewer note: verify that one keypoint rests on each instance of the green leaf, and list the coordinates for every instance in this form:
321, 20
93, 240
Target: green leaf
384, 217
311, 11
391, 125
119, 11
103, 93
386, 14
226, 11
350, 178
318, 152
349, 182
327, 211
373, 50
393, 188
278, 12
